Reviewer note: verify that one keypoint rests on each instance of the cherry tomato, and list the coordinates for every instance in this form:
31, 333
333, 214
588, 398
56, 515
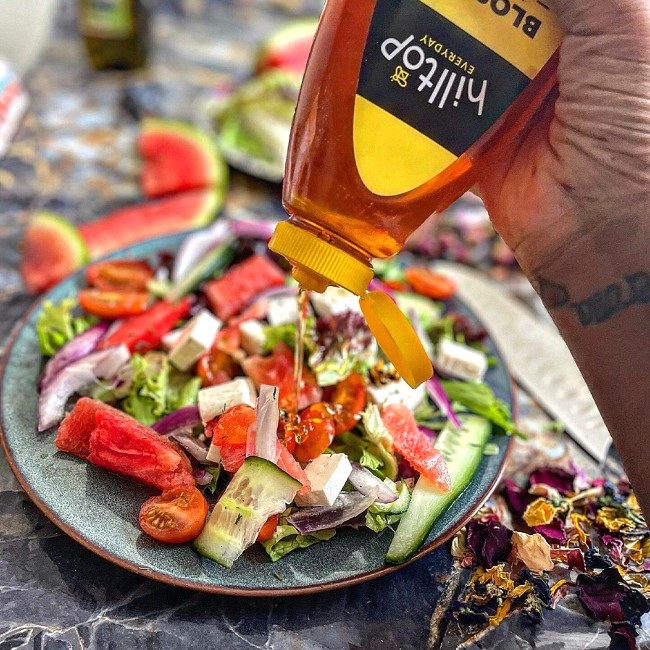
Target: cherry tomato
176, 516
396, 285
232, 426
429, 283
350, 394
268, 529
120, 275
277, 370
216, 367
228, 340
286, 435
315, 431
113, 304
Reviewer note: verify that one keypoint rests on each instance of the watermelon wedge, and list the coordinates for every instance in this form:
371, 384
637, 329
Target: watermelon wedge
178, 157
288, 48
52, 249
142, 221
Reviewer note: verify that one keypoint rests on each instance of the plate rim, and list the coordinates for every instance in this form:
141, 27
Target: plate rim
159, 576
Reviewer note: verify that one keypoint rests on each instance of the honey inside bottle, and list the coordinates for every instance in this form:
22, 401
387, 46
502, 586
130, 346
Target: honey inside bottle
401, 106
400, 102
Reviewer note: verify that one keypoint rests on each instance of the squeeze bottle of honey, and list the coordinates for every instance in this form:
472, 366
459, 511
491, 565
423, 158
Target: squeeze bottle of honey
400, 103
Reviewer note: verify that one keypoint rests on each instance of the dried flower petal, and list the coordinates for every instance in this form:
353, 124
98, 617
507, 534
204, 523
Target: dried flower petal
559, 590
606, 597
516, 498
554, 477
578, 521
623, 636
614, 547
539, 513
576, 560
553, 533
459, 548
501, 613
610, 518
532, 550
489, 541
581, 481
594, 560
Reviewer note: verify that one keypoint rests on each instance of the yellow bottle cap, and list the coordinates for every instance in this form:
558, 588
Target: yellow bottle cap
396, 337
317, 263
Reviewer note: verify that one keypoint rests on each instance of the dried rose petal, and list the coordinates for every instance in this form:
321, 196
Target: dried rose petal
532, 550
489, 541
554, 477
576, 560
539, 513
623, 636
516, 498
594, 560
614, 548
606, 597
553, 533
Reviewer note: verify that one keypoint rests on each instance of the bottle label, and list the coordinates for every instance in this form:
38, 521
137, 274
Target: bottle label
435, 76
106, 18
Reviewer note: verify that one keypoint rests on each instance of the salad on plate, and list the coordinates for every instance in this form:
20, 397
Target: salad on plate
179, 374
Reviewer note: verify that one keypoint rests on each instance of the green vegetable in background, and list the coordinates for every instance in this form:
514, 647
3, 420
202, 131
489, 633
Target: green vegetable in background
57, 324
286, 539
480, 399
149, 388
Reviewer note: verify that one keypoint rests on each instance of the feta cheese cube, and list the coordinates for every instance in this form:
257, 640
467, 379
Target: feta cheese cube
170, 339
252, 336
460, 361
282, 310
215, 400
397, 392
335, 301
327, 475
196, 339
214, 454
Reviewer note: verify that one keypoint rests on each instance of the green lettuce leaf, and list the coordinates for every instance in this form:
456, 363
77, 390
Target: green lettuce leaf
286, 539
57, 324
480, 399
286, 334
149, 388
215, 470
379, 521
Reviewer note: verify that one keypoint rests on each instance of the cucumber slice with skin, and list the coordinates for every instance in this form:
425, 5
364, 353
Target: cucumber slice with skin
258, 490
462, 449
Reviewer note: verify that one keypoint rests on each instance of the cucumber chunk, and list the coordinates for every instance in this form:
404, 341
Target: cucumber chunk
257, 491
462, 449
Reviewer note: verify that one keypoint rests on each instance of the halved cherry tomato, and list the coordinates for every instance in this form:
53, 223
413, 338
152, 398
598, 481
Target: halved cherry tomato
228, 340
176, 516
144, 332
315, 431
286, 435
113, 304
268, 529
350, 394
120, 275
232, 426
429, 283
277, 370
396, 285
216, 367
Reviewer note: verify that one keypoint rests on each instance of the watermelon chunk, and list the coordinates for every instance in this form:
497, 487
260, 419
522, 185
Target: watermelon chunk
178, 157
73, 436
230, 293
415, 446
122, 445
288, 48
142, 221
52, 249
233, 456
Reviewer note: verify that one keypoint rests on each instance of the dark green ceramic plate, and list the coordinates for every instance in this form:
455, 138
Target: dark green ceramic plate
100, 510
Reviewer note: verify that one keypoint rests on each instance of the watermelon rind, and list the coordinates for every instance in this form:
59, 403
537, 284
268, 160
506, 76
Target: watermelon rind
283, 37
42, 270
217, 169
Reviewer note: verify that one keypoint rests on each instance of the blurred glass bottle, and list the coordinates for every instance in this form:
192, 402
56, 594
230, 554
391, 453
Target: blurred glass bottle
116, 32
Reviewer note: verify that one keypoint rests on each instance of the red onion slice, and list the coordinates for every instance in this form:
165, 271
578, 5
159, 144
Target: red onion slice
365, 482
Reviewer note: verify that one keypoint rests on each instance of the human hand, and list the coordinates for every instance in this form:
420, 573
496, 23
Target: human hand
578, 180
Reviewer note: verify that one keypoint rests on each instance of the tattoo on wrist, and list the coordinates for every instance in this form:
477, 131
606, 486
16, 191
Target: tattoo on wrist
602, 305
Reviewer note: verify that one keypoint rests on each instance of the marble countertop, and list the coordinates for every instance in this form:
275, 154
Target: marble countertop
73, 155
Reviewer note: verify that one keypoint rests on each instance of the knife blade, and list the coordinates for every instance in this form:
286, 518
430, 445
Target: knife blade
536, 356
